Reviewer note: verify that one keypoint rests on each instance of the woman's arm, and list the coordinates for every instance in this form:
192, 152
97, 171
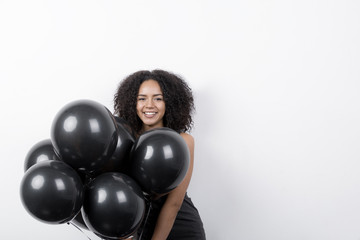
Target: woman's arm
175, 198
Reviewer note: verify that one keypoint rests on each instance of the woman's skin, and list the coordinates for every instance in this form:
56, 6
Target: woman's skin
150, 106
151, 109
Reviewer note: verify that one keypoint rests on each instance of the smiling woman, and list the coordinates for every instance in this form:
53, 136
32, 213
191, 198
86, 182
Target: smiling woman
168, 88
149, 100
150, 105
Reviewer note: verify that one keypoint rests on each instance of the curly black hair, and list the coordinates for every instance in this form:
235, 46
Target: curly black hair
178, 97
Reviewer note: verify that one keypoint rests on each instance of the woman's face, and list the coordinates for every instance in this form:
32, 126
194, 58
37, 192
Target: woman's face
150, 105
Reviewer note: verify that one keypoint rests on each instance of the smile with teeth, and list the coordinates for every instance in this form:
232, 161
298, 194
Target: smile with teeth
149, 114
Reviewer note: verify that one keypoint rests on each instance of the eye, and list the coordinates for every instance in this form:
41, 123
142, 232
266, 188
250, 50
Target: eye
158, 99
141, 99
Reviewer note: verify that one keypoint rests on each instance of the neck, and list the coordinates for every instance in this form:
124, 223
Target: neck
147, 127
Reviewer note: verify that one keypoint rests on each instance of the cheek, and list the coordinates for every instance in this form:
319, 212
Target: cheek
163, 108
160, 106
138, 107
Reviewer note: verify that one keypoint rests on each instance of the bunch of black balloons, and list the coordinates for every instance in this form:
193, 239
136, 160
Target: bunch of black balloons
94, 172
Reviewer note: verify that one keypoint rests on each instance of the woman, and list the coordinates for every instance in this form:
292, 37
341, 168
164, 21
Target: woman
154, 99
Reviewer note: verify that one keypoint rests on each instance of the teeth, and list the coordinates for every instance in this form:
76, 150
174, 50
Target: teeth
149, 113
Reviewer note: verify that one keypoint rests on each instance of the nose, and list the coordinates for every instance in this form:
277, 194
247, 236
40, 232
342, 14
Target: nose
149, 103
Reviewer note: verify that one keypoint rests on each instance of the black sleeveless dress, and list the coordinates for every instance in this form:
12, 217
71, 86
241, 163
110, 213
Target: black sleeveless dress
187, 225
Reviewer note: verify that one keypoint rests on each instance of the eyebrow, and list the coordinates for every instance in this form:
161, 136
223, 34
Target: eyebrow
144, 95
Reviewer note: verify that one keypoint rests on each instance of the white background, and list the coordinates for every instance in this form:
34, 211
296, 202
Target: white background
277, 93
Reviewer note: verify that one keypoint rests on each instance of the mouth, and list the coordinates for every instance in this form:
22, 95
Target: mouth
149, 114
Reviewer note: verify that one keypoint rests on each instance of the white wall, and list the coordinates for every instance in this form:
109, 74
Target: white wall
277, 91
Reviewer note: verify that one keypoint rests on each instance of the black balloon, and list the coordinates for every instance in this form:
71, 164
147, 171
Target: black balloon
84, 135
126, 139
126, 127
114, 206
41, 151
160, 159
52, 192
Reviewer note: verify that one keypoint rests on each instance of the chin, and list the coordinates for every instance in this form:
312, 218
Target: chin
149, 123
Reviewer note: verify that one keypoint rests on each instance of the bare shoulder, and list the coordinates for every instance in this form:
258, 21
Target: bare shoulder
188, 139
